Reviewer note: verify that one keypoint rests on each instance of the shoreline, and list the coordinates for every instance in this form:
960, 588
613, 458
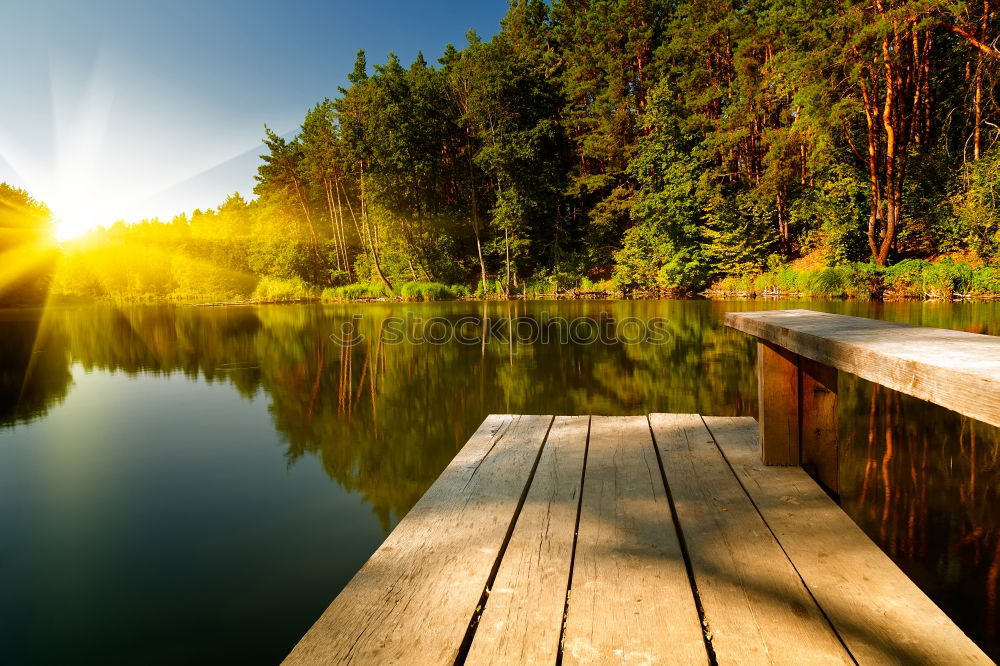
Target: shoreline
712, 295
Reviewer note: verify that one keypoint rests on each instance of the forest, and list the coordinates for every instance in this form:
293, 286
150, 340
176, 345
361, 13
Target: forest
611, 146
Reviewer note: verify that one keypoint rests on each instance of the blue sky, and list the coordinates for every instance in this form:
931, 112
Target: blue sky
129, 109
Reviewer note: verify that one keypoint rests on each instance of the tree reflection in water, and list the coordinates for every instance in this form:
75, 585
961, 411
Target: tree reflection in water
924, 483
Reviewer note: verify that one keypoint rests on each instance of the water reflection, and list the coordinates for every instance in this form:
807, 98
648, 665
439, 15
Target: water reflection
384, 419
924, 483
34, 370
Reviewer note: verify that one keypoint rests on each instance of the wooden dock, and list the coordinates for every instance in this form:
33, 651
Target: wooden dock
628, 540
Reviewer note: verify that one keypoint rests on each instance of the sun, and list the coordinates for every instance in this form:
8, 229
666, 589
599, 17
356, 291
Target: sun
79, 207
71, 226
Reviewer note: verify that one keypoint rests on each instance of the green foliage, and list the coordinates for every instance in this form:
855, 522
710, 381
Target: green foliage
777, 281
824, 283
977, 205
864, 281
278, 290
946, 277
912, 278
431, 291
354, 292
599, 286
834, 212
545, 283
906, 279
662, 249
736, 232
651, 260
736, 285
985, 282
496, 289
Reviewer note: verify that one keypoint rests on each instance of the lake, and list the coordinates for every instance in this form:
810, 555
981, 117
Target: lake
196, 484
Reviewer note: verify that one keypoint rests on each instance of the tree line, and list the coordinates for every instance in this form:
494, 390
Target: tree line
663, 144
659, 146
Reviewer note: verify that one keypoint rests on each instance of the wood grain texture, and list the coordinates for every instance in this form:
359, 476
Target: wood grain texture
778, 405
819, 448
524, 614
755, 605
413, 599
954, 369
879, 613
630, 600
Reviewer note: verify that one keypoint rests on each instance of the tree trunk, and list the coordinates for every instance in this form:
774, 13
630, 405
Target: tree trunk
331, 211
482, 264
312, 229
371, 238
506, 242
343, 232
875, 214
475, 227
784, 244
888, 124
980, 57
898, 69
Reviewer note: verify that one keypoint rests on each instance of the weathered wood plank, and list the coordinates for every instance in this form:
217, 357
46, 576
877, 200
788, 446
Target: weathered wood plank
778, 413
879, 613
630, 598
755, 605
412, 601
958, 370
524, 614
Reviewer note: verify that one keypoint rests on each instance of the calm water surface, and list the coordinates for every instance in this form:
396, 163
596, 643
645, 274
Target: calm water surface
195, 485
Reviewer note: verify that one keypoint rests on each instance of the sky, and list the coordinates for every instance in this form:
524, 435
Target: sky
135, 109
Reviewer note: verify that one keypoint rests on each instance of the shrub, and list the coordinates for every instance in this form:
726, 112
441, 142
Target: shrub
977, 207
788, 280
536, 286
837, 213
280, 290
778, 281
864, 281
599, 286
947, 277
431, 291
766, 282
826, 282
353, 292
905, 279
494, 288
911, 278
735, 285
985, 282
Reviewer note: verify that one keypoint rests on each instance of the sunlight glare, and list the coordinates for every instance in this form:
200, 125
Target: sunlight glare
91, 177
68, 227
76, 212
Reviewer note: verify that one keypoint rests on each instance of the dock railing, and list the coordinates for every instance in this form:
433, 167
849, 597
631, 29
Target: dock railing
799, 355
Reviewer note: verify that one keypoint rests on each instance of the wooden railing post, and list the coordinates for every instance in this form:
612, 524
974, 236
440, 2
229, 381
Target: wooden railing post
798, 413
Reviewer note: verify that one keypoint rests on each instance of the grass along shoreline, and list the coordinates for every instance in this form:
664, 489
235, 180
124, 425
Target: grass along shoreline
910, 279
